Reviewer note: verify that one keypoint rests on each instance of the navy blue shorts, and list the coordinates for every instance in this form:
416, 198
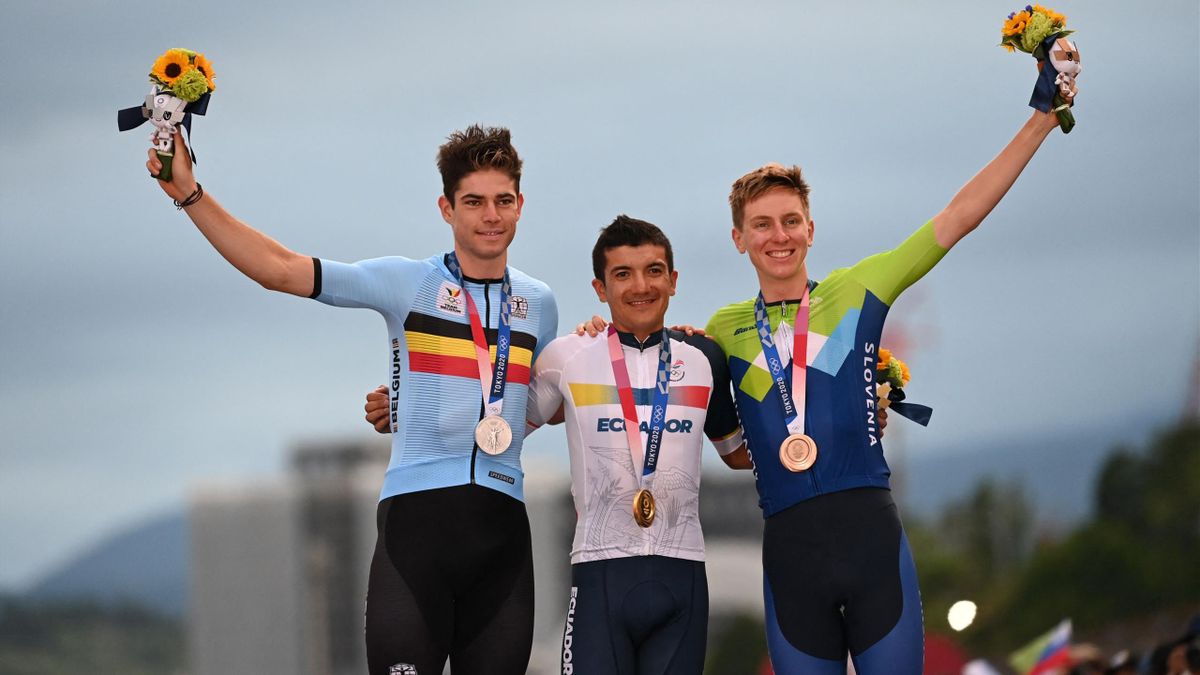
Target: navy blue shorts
646, 615
838, 579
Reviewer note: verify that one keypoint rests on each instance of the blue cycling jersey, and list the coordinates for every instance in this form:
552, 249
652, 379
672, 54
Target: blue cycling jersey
846, 321
433, 377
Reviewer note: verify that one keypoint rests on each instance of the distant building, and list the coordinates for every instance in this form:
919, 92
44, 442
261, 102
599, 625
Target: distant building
279, 569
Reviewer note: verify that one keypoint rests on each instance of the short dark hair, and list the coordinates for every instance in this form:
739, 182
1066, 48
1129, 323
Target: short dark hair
773, 176
474, 149
626, 231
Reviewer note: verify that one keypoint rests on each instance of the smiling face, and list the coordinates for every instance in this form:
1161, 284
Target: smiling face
484, 217
638, 285
776, 233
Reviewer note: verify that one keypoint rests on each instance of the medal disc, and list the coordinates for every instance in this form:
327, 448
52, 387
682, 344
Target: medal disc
643, 508
493, 435
798, 452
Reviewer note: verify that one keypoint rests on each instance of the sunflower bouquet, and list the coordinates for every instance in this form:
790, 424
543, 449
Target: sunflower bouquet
892, 377
181, 81
1042, 32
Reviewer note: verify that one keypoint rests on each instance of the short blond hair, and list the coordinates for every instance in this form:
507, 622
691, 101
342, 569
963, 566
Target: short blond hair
773, 176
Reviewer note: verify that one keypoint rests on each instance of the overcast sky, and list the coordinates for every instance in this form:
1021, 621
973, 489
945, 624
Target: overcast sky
136, 364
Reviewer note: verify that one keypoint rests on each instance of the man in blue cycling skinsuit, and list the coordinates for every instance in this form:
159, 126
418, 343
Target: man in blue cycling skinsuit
452, 574
838, 575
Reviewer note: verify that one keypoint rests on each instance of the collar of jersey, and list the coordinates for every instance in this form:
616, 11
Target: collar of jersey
812, 285
473, 280
630, 340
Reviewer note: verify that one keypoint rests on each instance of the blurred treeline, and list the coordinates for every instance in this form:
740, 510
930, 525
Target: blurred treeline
1137, 558
1128, 578
87, 638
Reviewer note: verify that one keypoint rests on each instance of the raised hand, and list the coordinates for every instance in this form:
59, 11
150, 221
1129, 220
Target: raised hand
183, 182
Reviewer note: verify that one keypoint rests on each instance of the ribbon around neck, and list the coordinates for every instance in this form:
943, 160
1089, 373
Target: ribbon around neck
791, 394
658, 408
491, 381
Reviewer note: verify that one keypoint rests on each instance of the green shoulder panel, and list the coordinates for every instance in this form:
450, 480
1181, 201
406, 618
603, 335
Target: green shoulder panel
733, 328
725, 323
887, 274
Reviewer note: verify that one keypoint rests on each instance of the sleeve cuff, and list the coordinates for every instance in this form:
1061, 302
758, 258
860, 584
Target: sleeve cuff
316, 291
728, 443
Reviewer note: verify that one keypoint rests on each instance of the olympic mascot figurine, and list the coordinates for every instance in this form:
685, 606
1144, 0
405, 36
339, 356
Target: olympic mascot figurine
181, 82
1042, 32
1064, 56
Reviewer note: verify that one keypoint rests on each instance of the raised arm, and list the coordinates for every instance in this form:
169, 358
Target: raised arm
256, 255
979, 196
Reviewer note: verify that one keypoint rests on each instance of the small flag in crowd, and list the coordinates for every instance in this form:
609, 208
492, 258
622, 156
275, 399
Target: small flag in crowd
1049, 651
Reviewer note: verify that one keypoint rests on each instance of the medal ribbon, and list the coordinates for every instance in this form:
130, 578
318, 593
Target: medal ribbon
491, 382
793, 395
658, 410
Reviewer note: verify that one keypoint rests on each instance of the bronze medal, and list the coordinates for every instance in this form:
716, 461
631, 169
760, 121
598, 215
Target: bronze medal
493, 435
643, 508
798, 452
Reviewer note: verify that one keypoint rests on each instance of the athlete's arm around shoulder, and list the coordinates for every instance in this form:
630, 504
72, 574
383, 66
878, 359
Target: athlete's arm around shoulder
721, 422
546, 397
975, 200
253, 253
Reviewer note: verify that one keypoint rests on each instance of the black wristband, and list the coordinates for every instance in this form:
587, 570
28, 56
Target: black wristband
191, 199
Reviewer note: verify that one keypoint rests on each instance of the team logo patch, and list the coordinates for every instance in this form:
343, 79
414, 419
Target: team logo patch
402, 669
450, 299
519, 307
677, 371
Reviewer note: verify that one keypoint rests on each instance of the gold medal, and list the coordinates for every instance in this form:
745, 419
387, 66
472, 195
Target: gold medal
643, 508
798, 452
493, 435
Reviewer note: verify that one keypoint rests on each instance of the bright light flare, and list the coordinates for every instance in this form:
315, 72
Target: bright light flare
962, 614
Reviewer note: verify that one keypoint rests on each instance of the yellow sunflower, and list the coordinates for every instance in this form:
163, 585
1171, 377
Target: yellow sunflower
170, 66
906, 375
1055, 18
1016, 25
205, 67
884, 357
1009, 47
